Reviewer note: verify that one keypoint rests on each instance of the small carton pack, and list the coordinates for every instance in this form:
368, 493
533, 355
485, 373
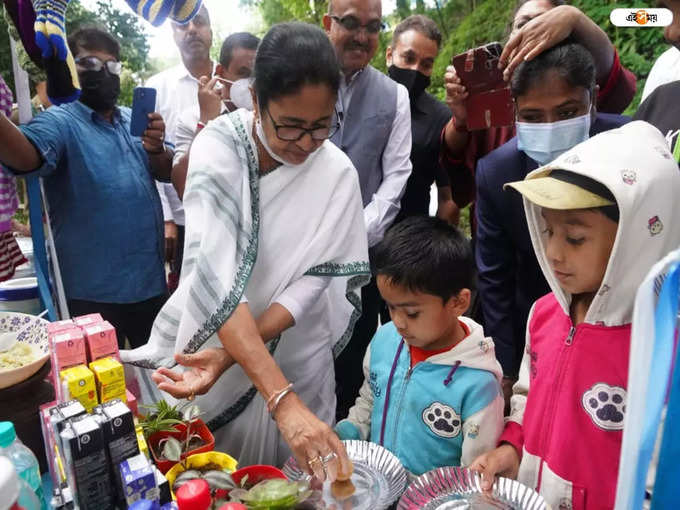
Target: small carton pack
118, 426
164, 495
61, 413
101, 341
53, 327
131, 402
78, 382
110, 379
58, 419
85, 456
141, 441
88, 320
68, 348
139, 481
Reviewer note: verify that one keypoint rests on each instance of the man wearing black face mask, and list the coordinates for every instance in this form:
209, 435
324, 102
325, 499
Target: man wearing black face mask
410, 57
99, 181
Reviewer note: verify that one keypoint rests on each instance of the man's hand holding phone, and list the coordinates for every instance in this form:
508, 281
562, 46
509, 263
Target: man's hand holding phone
153, 137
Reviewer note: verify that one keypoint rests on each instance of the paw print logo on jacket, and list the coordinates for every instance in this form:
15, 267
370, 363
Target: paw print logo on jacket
442, 420
606, 405
655, 226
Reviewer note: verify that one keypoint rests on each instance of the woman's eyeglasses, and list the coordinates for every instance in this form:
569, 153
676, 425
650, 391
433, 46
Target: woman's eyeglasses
352, 24
295, 133
95, 64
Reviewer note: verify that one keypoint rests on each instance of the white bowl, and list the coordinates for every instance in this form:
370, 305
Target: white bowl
35, 335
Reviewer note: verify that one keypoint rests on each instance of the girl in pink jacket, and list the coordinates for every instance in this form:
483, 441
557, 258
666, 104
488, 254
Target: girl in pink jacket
600, 216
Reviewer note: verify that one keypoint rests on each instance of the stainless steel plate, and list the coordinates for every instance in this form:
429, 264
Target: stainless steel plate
458, 488
378, 476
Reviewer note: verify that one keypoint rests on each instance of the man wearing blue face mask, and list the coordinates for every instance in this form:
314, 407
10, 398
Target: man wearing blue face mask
554, 97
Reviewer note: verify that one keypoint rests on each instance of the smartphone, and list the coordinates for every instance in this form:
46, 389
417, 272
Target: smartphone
489, 103
143, 103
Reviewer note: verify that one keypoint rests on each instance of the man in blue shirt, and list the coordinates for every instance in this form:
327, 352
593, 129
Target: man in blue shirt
99, 180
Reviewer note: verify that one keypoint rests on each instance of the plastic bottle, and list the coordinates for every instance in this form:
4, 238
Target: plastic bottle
194, 495
16, 494
25, 462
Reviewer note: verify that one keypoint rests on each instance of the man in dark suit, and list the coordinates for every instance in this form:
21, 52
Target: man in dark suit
555, 110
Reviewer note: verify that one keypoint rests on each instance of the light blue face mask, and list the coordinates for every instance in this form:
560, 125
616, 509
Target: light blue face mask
545, 141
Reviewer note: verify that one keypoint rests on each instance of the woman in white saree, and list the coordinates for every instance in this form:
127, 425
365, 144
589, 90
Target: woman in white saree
275, 253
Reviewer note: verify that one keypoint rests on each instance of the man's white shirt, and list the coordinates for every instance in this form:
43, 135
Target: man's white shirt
176, 91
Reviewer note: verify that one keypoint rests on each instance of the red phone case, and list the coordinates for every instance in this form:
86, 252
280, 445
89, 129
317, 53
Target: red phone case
489, 103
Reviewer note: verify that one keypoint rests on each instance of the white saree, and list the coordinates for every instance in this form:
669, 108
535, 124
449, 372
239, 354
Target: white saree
252, 237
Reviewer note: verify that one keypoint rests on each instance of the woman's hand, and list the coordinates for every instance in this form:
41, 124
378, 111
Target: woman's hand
316, 447
502, 461
541, 33
206, 367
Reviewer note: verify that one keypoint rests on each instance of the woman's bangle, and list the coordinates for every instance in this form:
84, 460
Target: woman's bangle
199, 126
276, 397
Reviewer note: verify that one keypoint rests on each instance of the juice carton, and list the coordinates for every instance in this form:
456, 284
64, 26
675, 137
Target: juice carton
139, 481
164, 495
78, 382
131, 401
88, 471
67, 349
118, 426
88, 320
101, 341
110, 379
59, 416
53, 327
141, 441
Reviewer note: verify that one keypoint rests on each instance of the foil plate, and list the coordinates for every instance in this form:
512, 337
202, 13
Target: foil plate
378, 476
459, 488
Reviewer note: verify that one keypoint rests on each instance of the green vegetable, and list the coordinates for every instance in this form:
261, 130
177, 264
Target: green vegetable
274, 494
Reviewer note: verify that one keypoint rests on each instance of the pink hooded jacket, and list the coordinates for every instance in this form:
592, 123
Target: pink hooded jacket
569, 403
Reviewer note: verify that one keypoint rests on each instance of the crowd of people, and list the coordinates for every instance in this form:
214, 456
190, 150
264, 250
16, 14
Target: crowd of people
311, 298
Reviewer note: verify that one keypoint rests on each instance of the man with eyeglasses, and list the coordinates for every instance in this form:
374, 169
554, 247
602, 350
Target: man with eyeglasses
375, 132
99, 181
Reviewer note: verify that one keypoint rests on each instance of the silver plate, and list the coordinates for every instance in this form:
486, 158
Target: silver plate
458, 488
378, 476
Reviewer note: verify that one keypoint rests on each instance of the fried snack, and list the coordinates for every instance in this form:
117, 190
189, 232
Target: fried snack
343, 477
342, 490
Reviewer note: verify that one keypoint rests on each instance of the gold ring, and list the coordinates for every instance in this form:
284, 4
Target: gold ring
315, 460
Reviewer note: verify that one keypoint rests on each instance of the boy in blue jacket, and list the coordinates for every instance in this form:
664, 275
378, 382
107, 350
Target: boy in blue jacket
431, 393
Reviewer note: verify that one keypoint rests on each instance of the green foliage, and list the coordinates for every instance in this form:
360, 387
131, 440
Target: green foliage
278, 11
638, 48
470, 28
162, 416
